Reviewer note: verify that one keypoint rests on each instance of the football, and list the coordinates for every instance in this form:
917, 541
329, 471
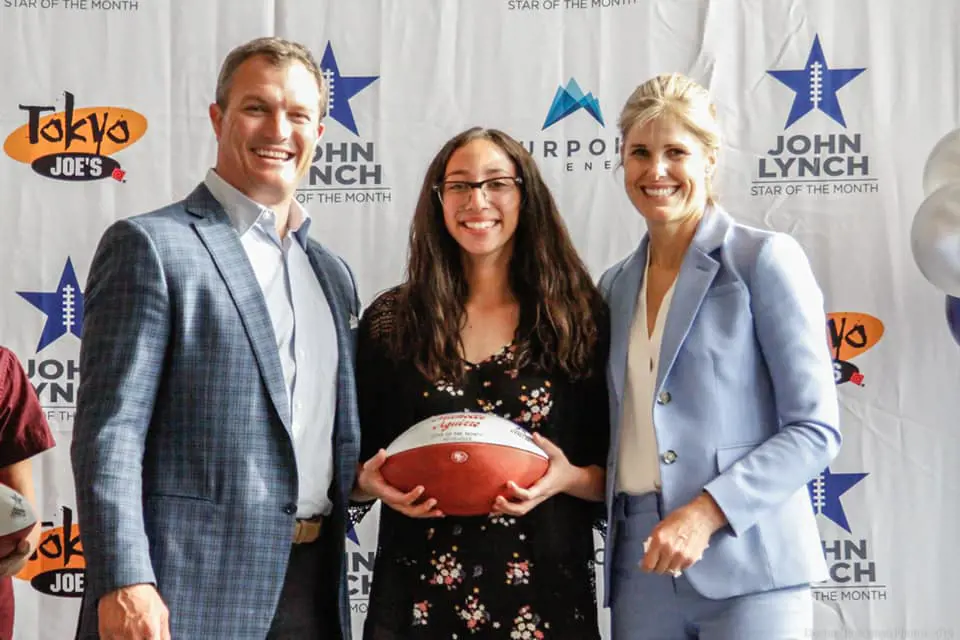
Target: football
16, 519
464, 460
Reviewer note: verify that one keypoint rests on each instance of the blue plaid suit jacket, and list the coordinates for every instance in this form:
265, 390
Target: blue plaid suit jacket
182, 454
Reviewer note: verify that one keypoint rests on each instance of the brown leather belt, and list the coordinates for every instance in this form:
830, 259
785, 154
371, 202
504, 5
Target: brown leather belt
308, 530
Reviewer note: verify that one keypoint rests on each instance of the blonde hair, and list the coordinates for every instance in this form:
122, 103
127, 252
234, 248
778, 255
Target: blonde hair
677, 97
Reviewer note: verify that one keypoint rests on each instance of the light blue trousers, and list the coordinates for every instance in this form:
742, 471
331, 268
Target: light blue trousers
647, 606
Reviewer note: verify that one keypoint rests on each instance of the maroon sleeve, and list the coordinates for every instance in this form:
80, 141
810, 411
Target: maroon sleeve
24, 431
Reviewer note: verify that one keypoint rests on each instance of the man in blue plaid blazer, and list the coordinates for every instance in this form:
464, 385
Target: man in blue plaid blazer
216, 435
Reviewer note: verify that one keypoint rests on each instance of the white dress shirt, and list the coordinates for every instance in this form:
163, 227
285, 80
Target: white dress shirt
304, 330
638, 465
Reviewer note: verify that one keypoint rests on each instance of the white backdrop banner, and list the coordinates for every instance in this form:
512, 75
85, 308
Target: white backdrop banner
828, 110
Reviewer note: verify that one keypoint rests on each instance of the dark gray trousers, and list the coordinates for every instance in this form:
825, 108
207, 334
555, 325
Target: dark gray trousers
309, 582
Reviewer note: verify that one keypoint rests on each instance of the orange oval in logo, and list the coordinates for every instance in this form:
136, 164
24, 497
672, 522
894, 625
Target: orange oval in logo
850, 333
98, 131
55, 552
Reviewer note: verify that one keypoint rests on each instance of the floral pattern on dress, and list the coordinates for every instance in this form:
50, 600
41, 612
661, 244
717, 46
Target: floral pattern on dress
501, 519
488, 406
527, 625
506, 355
421, 613
473, 612
447, 571
447, 387
538, 403
518, 572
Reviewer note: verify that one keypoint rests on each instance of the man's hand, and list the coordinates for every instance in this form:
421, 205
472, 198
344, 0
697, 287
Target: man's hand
135, 612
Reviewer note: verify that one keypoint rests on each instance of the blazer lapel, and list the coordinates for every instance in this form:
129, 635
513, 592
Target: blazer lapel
223, 243
624, 295
696, 273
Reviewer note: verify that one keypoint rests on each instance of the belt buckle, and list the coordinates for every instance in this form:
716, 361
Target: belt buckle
307, 530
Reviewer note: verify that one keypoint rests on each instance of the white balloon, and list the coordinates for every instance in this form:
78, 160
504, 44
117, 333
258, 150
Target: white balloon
935, 238
943, 163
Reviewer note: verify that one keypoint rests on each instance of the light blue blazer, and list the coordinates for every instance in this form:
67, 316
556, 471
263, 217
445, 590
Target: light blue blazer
746, 403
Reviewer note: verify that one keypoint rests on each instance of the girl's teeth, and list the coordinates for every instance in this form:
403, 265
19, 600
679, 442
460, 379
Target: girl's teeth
487, 224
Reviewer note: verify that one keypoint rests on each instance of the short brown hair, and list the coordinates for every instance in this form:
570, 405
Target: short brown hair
279, 52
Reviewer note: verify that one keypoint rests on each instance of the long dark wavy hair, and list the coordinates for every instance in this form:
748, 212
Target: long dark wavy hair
560, 307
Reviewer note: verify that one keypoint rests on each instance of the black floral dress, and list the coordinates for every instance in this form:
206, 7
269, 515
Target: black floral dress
495, 576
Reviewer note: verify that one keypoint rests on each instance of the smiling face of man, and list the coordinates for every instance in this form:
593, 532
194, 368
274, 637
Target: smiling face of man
268, 129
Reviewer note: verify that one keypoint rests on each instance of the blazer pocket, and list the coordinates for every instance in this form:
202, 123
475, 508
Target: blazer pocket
726, 456
725, 289
162, 495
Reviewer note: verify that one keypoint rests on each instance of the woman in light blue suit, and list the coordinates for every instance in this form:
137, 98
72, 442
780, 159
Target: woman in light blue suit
722, 399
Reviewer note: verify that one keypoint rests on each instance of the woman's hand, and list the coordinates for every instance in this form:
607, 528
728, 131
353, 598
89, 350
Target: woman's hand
681, 538
371, 482
560, 476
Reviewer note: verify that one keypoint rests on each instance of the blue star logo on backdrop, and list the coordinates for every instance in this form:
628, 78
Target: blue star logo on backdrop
816, 86
63, 307
352, 535
570, 99
342, 89
825, 491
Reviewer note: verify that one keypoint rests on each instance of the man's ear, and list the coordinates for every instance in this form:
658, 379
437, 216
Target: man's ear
216, 118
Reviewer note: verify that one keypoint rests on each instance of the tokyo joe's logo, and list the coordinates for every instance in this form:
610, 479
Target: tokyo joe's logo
75, 144
853, 572
56, 378
849, 334
345, 167
815, 158
57, 568
587, 149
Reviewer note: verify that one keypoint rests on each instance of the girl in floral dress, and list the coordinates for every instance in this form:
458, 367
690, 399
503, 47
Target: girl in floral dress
497, 314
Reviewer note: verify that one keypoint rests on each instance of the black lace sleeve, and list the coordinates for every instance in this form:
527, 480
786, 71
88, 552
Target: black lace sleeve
376, 375
357, 511
590, 439
375, 371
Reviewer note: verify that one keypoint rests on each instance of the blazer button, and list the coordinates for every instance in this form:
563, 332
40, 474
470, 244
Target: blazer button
663, 398
669, 457
290, 509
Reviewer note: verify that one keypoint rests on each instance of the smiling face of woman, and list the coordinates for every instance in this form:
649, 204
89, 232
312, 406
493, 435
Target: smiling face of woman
666, 170
482, 219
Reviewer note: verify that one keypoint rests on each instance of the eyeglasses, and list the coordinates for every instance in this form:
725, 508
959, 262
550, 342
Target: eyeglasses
459, 192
